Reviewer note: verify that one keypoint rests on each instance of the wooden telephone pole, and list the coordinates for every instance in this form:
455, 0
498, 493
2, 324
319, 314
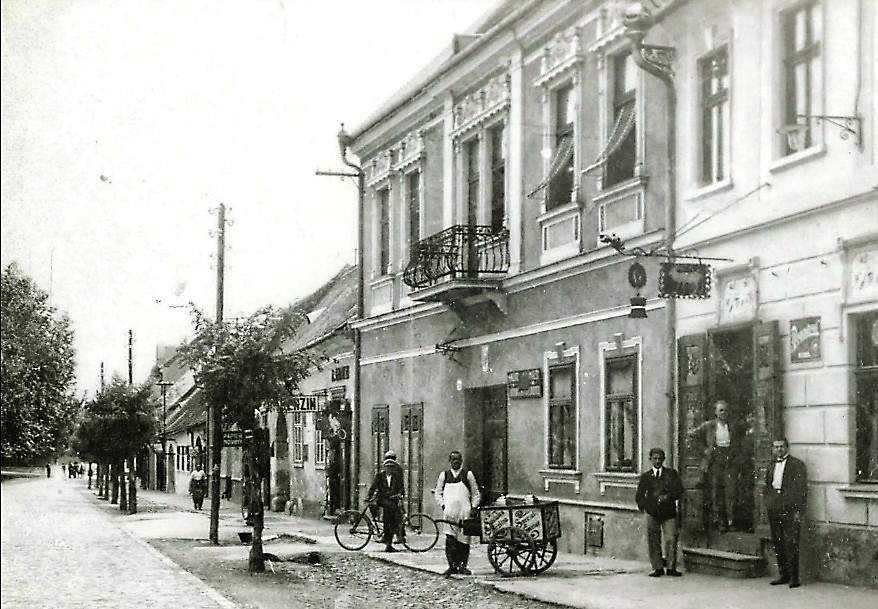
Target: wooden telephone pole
214, 411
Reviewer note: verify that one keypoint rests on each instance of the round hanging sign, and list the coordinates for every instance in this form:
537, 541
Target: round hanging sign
637, 275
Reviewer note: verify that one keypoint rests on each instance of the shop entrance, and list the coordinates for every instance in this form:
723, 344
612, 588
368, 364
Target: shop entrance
486, 439
723, 475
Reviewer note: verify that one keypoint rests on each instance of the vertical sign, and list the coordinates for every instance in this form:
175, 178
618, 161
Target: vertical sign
804, 340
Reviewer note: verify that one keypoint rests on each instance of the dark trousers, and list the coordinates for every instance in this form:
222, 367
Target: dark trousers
391, 517
785, 529
661, 535
456, 553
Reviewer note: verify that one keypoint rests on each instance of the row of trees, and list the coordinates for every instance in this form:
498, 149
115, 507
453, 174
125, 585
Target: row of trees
37, 371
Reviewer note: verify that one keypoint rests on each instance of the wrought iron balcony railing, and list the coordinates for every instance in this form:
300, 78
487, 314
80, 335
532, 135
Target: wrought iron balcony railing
463, 251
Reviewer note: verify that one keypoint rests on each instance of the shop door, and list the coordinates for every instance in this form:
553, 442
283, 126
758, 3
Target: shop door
412, 455
494, 444
380, 433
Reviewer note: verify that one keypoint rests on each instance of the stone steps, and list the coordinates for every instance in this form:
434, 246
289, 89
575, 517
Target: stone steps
722, 563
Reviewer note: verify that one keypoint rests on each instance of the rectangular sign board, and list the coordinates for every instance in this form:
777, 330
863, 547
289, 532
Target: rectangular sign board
233, 437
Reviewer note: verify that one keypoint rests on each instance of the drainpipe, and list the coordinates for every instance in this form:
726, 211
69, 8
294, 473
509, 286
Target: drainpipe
656, 60
344, 141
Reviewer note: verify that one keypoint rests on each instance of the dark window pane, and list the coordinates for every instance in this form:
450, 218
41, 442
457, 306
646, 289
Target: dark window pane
414, 192
498, 178
384, 219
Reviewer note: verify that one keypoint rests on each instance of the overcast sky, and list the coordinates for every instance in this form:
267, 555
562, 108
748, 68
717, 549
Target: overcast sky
125, 122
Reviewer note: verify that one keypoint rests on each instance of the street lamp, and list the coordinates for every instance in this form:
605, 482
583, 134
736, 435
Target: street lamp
658, 61
164, 385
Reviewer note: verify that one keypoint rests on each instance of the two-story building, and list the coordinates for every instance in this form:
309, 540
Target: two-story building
497, 321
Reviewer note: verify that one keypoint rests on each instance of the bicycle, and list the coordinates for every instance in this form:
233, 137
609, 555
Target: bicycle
355, 528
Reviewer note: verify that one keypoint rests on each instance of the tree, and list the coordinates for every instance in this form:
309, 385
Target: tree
242, 367
38, 371
113, 428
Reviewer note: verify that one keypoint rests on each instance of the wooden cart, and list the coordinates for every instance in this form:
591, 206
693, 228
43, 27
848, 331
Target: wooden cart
521, 536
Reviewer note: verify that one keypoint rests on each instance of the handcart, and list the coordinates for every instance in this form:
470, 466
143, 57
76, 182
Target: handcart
521, 537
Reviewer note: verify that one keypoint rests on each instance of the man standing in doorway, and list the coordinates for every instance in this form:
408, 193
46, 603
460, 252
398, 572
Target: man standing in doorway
457, 493
721, 442
658, 492
786, 496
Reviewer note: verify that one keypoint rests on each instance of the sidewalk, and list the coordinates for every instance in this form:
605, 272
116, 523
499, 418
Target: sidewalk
574, 580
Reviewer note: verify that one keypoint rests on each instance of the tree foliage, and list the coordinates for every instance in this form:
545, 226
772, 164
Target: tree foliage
243, 365
116, 423
38, 370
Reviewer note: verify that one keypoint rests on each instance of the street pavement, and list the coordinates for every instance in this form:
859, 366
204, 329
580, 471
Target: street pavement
61, 549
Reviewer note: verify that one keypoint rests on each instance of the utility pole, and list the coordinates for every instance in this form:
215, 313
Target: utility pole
102, 376
164, 385
130, 358
214, 411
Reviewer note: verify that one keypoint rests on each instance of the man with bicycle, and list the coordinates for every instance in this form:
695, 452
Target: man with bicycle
386, 491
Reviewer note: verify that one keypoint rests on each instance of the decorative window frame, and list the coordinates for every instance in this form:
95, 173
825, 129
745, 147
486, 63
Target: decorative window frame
377, 272
319, 450
298, 438
474, 116
572, 476
562, 64
608, 350
779, 161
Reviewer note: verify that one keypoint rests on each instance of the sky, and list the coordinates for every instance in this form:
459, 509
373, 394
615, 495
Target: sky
125, 123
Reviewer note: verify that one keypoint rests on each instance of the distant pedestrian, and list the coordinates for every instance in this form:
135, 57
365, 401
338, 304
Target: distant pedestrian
457, 494
198, 486
48, 470
63, 469
658, 491
81, 471
90, 474
786, 496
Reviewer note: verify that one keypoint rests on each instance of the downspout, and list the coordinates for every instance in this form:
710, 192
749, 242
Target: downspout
636, 25
344, 141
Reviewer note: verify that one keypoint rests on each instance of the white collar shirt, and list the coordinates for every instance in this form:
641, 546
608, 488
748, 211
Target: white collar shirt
777, 477
723, 437
657, 472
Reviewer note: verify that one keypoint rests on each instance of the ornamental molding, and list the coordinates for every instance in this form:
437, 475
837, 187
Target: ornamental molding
481, 105
396, 158
560, 56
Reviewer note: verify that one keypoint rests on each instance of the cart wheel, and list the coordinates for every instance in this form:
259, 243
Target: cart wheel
545, 554
510, 549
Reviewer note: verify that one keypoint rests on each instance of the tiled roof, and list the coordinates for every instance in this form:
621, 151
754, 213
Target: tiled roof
337, 305
191, 412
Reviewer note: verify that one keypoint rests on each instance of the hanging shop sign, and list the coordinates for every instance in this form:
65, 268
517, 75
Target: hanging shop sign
342, 373
805, 340
523, 384
636, 275
678, 280
233, 437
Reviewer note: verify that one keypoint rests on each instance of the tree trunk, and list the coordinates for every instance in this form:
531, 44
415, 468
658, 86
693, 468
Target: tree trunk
132, 488
107, 481
102, 481
114, 483
256, 560
123, 492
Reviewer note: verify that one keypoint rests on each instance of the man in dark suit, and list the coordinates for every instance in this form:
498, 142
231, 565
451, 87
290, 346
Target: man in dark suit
786, 495
387, 489
658, 492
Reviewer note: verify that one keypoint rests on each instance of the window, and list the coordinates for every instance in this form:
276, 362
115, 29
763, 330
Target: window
472, 182
414, 204
562, 416
298, 437
319, 448
866, 328
561, 184
800, 30
498, 177
188, 458
622, 158
620, 414
384, 231
713, 72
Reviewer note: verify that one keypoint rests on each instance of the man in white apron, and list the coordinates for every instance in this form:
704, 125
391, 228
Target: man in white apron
457, 494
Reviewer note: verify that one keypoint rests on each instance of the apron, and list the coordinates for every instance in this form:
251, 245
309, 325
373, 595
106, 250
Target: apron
456, 496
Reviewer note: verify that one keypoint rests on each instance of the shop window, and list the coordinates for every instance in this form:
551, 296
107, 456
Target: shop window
620, 414
298, 437
800, 33
713, 71
562, 416
498, 177
621, 155
866, 328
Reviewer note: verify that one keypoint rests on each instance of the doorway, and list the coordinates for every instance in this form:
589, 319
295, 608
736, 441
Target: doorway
494, 445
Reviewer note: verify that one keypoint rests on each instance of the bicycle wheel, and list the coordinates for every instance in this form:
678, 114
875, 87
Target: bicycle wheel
421, 532
353, 530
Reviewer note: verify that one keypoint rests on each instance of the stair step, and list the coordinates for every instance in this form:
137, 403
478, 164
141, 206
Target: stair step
723, 563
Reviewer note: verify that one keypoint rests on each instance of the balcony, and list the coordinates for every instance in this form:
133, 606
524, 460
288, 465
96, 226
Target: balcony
458, 262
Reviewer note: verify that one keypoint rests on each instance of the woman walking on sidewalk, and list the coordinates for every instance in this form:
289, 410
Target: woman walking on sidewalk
198, 486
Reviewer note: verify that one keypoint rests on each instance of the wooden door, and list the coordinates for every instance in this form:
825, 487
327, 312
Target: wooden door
495, 454
692, 375
767, 421
380, 432
412, 447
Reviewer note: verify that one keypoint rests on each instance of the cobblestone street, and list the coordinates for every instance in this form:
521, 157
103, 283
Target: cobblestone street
60, 551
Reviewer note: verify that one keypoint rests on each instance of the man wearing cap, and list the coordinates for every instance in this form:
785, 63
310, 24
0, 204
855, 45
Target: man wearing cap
386, 490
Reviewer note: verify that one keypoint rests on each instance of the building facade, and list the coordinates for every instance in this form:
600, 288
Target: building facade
496, 316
